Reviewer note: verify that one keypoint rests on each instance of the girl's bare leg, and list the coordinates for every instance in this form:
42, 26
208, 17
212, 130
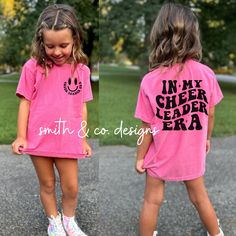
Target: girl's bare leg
153, 198
46, 176
68, 171
199, 197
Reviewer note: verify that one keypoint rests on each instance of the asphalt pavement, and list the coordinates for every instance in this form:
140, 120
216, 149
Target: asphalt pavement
111, 193
21, 213
121, 193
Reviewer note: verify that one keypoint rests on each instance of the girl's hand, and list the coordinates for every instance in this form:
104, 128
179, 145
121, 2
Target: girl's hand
18, 144
87, 149
139, 166
208, 146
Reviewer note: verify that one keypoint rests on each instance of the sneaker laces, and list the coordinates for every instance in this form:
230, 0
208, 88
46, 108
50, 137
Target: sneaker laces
57, 225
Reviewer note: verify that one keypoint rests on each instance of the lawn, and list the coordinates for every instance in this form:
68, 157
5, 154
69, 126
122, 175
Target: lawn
118, 91
117, 100
225, 119
9, 108
8, 112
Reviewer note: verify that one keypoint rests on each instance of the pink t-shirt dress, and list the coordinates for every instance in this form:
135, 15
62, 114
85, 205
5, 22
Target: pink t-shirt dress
176, 104
56, 101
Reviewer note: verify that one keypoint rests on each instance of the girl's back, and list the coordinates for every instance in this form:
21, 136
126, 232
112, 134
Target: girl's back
177, 97
176, 101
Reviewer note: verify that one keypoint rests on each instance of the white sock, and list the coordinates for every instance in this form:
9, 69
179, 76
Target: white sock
51, 217
221, 233
66, 219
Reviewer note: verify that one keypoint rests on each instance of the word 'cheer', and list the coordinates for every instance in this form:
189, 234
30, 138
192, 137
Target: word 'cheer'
179, 104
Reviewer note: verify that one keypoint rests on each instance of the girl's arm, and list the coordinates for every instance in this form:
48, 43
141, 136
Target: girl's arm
86, 148
22, 123
211, 118
143, 148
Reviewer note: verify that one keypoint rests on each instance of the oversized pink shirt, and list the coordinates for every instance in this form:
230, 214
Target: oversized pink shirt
56, 101
177, 105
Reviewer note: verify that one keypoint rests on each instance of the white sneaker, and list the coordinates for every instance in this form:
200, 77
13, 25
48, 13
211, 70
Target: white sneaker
55, 227
155, 233
71, 227
221, 232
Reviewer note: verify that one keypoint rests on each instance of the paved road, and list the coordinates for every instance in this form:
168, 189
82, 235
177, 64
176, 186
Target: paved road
21, 213
119, 191
226, 78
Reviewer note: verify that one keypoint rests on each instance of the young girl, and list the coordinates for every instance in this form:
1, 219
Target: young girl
177, 97
54, 87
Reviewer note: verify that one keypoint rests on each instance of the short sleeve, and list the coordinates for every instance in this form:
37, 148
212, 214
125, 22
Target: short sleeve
216, 93
25, 86
144, 109
87, 90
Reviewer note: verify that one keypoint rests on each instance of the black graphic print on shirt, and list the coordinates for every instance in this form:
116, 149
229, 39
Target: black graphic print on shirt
72, 86
180, 103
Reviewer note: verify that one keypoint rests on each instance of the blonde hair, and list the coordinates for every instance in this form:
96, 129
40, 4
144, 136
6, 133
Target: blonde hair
175, 37
58, 17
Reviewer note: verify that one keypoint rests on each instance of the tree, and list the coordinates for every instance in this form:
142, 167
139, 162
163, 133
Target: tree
130, 23
218, 28
88, 15
14, 38
18, 30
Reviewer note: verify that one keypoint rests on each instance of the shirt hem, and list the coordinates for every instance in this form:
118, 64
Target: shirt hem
55, 154
142, 118
182, 178
22, 94
87, 99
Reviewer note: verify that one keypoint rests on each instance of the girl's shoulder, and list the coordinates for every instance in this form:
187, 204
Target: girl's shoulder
32, 65
83, 68
200, 67
151, 76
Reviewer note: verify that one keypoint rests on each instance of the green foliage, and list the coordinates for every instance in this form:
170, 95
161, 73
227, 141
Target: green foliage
15, 43
88, 15
131, 21
218, 27
119, 90
18, 33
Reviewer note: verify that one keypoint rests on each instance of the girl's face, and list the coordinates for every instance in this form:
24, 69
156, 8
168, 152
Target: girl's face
58, 45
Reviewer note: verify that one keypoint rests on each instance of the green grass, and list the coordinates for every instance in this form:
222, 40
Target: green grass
93, 121
225, 115
117, 100
10, 77
9, 109
8, 112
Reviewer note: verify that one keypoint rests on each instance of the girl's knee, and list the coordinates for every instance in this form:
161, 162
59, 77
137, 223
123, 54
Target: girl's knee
47, 186
156, 200
196, 191
154, 192
70, 190
198, 199
192, 199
